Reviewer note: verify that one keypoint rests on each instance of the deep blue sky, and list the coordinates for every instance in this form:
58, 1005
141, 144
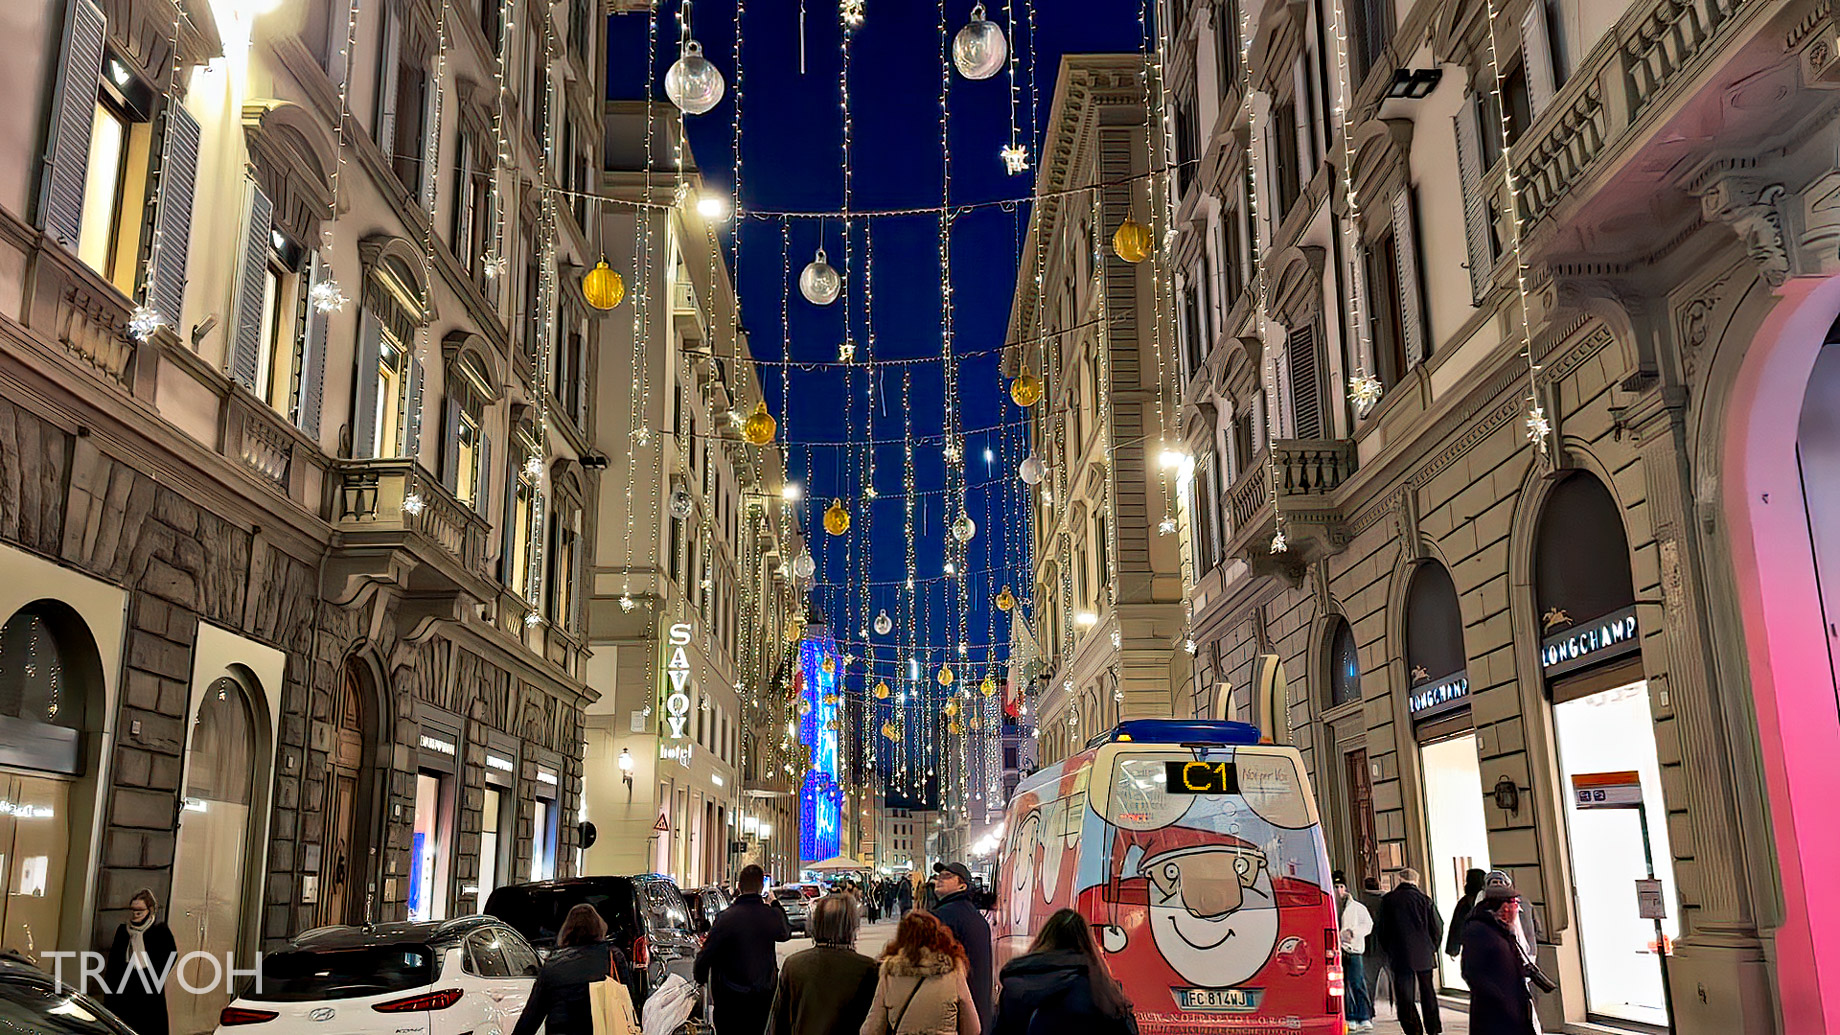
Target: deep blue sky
791, 150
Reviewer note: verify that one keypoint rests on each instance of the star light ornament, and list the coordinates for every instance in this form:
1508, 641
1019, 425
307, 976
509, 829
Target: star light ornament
851, 11
413, 504
1279, 544
1364, 391
533, 466
1015, 158
1538, 427
494, 265
144, 321
846, 351
626, 602
1167, 526
327, 296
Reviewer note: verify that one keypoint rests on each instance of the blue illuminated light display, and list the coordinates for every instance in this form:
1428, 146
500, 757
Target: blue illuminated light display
821, 799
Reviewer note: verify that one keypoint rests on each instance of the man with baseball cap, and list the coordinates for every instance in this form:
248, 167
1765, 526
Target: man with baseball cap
961, 916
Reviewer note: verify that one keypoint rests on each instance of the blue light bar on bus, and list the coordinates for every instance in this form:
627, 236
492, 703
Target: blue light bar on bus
1178, 731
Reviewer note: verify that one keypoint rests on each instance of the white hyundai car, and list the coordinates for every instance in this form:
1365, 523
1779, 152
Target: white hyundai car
444, 977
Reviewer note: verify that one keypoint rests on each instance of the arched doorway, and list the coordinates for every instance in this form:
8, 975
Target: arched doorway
1449, 765
211, 864
50, 674
1345, 738
345, 867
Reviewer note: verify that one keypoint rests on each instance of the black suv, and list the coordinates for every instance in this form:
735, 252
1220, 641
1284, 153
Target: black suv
646, 916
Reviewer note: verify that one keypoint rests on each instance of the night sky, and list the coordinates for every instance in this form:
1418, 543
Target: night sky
792, 161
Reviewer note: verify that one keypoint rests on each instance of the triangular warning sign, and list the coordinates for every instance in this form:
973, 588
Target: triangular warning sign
663, 824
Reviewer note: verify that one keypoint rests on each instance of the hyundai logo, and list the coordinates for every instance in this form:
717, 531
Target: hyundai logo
324, 1013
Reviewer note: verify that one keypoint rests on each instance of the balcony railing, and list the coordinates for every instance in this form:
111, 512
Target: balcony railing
394, 502
1304, 473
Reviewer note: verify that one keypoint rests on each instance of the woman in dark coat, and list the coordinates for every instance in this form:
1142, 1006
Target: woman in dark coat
1473, 882
1062, 985
583, 956
1500, 1002
140, 962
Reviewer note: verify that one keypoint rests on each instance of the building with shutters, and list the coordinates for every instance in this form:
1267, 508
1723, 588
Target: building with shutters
1577, 644
1105, 607
292, 632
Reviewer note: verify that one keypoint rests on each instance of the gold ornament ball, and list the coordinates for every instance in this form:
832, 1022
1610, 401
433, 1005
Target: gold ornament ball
951, 708
836, 519
890, 732
954, 728
989, 686
602, 286
1006, 600
758, 429
829, 666
945, 677
1132, 241
976, 723
881, 691
1025, 390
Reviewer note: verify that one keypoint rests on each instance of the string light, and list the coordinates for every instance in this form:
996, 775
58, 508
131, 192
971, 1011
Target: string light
1364, 389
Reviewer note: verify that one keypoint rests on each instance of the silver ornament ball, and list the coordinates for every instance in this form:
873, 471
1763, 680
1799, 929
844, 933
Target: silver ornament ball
819, 282
803, 565
883, 624
681, 504
1033, 470
979, 50
693, 83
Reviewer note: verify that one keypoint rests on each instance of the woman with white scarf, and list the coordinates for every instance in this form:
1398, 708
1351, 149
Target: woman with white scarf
140, 963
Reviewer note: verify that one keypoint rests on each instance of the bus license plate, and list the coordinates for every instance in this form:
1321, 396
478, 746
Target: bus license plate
1219, 1000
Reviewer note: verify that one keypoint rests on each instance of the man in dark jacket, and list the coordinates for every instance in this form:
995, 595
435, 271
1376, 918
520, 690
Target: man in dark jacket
738, 960
1376, 953
952, 882
1411, 931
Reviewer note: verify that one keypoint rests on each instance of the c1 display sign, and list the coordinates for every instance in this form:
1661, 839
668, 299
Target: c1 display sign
677, 671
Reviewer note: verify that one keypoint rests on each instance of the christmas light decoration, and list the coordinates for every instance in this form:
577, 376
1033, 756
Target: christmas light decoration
1006, 600
819, 282
979, 50
602, 287
1132, 241
1025, 390
836, 519
693, 83
758, 429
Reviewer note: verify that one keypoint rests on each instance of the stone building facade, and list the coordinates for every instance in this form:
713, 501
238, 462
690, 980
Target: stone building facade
1105, 607
1538, 641
288, 620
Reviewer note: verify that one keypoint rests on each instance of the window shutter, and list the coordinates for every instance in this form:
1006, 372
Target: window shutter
412, 413
576, 589
450, 442
1475, 205
247, 340
580, 390
364, 390
508, 513
1300, 108
172, 222
482, 477
1537, 57
1306, 391
1405, 244
61, 204
386, 86
313, 360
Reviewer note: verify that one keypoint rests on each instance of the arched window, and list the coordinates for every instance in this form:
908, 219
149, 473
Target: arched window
1344, 663
42, 689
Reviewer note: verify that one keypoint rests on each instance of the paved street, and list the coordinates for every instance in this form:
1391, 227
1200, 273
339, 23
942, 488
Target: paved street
872, 937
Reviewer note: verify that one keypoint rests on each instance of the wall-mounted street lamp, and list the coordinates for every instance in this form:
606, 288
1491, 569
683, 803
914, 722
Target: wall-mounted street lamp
626, 772
1507, 796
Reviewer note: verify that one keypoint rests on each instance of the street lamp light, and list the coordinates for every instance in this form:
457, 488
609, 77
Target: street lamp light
626, 772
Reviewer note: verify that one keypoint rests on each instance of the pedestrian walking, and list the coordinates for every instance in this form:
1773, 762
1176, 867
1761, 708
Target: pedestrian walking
737, 960
1354, 925
1062, 985
827, 989
1472, 886
140, 960
1528, 929
559, 997
1411, 930
1379, 974
1495, 967
920, 987
904, 897
956, 910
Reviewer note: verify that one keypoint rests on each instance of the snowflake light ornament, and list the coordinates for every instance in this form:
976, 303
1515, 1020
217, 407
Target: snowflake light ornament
626, 602
1167, 526
494, 264
327, 296
413, 504
1279, 544
1364, 391
846, 351
144, 321
1538, 427
851, 12
533, 466
1015, 158
532, 618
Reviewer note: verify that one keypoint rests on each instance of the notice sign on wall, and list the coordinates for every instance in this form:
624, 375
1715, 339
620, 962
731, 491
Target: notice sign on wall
1619, 790
1650, 903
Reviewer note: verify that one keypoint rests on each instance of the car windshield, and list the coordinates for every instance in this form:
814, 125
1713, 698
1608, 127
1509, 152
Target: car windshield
536, 912
300, 975
789, 895
31, 1006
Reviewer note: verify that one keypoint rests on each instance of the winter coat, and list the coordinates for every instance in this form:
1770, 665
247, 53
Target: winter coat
928, 999
1410, 929
961, 917
559, 996
823, 991
1050, 993
738, 951
138, 998
1453, 942
1355, 924
1496, 972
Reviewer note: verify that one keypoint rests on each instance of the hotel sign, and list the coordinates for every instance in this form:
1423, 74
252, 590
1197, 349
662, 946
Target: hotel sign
677, 670
1433, 699
1586, 644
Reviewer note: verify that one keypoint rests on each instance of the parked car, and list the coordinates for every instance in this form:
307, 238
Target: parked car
796, 905
647, 919
434, 977
704, 904
30, 1000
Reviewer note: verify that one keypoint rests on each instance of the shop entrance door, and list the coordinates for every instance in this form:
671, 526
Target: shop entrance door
210, 864
1361, 819
34, 843
1459, 832
341, 872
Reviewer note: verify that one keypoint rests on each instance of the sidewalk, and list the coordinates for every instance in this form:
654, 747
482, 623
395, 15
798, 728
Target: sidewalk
1454, 1013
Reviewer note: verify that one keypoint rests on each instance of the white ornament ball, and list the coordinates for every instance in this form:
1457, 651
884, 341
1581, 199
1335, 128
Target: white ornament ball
693, 84
1033, 470
681, 504
979, 50
883, 624
964, 528
819, 282
803, 565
